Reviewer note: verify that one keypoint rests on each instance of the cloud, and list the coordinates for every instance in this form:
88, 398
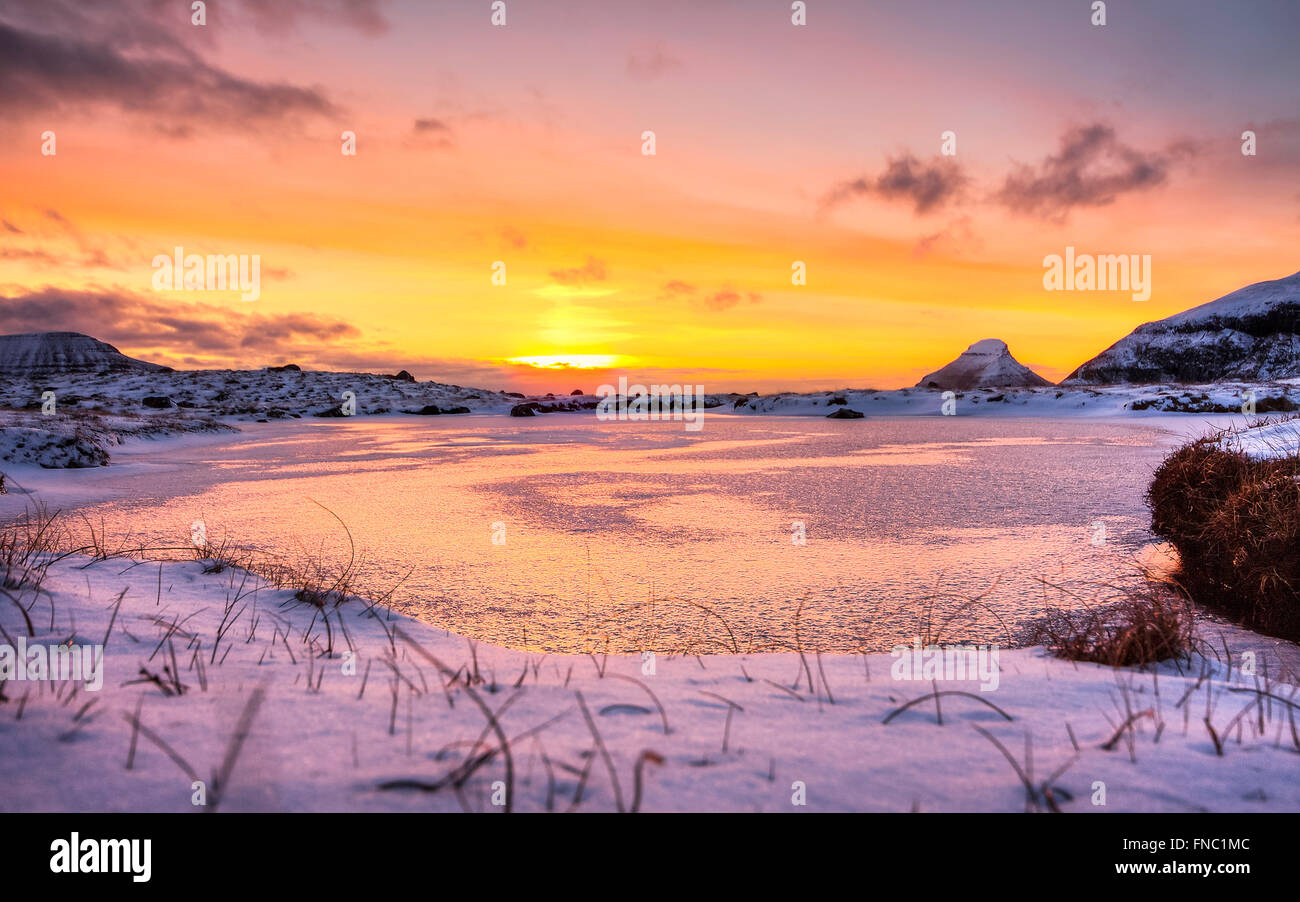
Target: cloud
430, 132
183, 330
728, 298
49, 73
724, 298
34, 254
651, 62
591, 271
284, 16
10, 227
1090, 169
956, 237
513, 238
926, 185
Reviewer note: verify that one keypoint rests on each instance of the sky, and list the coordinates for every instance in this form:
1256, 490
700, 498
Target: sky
517, 150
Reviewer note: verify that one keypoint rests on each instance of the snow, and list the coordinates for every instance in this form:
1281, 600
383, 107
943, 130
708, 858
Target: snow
97, 412
1267, 441
1253, 300
57, 352
741, 730
985, 364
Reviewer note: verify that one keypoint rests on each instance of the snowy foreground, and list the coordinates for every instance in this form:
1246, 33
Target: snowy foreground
403, 725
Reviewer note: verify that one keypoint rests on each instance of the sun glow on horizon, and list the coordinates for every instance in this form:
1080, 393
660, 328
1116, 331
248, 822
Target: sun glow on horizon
567, 361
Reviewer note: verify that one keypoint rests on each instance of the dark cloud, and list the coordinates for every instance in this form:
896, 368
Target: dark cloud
1091, 169
677, 288
234, 333
926, 185
10, 227
432, 132
591, 271
46, 72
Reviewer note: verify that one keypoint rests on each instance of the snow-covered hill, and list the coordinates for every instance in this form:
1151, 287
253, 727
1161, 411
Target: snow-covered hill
39, 353
985, 364
1248, 335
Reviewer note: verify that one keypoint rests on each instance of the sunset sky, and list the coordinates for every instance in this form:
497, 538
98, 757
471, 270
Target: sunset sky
523, 144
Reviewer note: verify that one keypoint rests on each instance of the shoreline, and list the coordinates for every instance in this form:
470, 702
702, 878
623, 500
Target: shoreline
730, 732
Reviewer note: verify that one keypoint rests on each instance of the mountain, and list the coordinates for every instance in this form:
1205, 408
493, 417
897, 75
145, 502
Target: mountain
1252, 334
42, 353
985, 364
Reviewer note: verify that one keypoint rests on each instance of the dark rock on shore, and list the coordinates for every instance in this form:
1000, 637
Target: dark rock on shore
433, 410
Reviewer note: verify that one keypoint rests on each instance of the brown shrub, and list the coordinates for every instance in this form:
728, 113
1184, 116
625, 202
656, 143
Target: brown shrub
1236, 525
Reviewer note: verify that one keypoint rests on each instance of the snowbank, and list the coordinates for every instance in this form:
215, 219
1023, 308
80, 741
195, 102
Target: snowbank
196, 654
1268, 441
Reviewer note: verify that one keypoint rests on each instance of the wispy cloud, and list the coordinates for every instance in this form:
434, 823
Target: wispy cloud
591, 271
651, 62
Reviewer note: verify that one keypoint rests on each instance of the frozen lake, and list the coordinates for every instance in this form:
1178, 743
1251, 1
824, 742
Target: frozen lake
565, 534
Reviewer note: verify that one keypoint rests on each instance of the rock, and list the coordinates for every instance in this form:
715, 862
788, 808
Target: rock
986, 364
157, 402
524, 410
433, 410
845, 414
577, 391
512, 394
335, 411
287, 368
401, 376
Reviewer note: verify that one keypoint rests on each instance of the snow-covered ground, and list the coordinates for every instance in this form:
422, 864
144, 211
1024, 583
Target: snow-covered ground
1272, 440
1052, 401
193, 660
93, 412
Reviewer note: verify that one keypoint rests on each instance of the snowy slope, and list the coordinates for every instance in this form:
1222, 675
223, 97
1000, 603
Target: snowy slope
1251, 334
1268, 440
39, 353
986, 364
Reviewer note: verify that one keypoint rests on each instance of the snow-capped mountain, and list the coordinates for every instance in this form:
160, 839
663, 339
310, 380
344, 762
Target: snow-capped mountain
41, 353
1251, 334
986, 364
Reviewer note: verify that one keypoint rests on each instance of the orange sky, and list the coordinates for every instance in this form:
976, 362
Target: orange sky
775, 144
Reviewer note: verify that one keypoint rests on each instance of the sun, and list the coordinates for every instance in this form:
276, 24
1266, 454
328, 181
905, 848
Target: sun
567, 361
